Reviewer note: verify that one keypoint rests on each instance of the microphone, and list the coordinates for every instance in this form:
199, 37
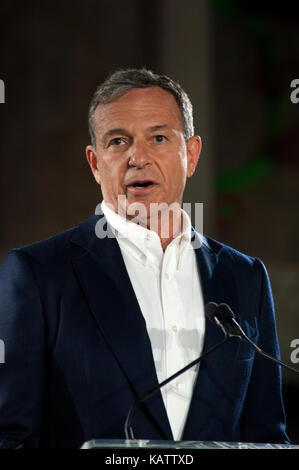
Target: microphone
211, 310
224, 318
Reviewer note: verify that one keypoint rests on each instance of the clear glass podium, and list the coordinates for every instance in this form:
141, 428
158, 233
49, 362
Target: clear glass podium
148, 444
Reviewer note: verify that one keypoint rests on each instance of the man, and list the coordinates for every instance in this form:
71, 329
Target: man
95, 316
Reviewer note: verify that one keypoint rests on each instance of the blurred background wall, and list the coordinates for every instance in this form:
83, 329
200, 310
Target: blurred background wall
236, 59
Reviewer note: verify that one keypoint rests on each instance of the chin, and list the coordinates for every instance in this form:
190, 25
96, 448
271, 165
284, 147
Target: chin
139, 207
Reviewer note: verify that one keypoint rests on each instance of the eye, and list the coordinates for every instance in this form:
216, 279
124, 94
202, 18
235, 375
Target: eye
116, 141
160, 138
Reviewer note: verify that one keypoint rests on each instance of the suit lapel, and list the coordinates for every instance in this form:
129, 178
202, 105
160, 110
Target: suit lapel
216, 282
108, 291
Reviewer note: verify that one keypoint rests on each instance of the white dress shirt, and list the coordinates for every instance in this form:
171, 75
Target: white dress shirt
168, 289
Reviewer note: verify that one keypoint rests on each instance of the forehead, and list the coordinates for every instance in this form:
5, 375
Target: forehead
141, 107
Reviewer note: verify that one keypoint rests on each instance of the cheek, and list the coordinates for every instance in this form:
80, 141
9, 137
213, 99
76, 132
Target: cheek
184, 161
174, 171
112, 173
179, 167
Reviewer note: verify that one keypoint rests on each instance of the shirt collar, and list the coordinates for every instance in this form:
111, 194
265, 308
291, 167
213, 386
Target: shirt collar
145, 244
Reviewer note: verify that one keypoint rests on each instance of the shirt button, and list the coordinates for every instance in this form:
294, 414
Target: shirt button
142, 258
166, 276
174, 328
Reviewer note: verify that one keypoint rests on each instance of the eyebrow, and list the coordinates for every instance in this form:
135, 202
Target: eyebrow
120, 130
111, 132
158, 127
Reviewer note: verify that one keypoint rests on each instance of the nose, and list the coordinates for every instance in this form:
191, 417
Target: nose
139, 157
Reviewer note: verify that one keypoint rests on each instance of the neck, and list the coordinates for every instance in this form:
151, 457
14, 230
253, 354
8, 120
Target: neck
166, 221
167, 224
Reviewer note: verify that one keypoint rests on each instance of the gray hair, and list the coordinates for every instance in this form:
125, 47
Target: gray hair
122, 81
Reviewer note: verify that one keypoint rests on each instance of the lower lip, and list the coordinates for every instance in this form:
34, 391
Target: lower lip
141, 191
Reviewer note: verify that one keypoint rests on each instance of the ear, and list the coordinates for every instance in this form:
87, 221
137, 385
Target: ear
92, 159
194, 146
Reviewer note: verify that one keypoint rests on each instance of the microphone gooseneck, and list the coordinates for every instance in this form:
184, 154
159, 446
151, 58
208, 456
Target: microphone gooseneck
210, 311
232, 327
223, 316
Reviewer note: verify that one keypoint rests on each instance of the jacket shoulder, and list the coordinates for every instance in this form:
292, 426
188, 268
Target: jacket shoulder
53, 246
228, 252
235, 260
56, 247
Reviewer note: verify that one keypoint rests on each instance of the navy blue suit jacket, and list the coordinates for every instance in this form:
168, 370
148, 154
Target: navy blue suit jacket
77, 352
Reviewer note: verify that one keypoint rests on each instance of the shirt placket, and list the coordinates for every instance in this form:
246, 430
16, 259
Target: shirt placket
172, 312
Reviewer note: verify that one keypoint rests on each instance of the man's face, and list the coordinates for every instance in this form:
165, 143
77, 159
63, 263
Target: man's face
140, 149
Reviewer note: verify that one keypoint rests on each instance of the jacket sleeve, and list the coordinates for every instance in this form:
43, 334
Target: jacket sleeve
263, 418
22, 371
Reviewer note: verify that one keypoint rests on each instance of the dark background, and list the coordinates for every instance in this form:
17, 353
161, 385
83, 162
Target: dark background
236, 60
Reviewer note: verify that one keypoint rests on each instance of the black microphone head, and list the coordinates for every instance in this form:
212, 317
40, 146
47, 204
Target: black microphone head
225, 312
210, 310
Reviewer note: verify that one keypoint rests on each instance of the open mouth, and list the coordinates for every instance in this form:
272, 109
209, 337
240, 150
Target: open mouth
142, 184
